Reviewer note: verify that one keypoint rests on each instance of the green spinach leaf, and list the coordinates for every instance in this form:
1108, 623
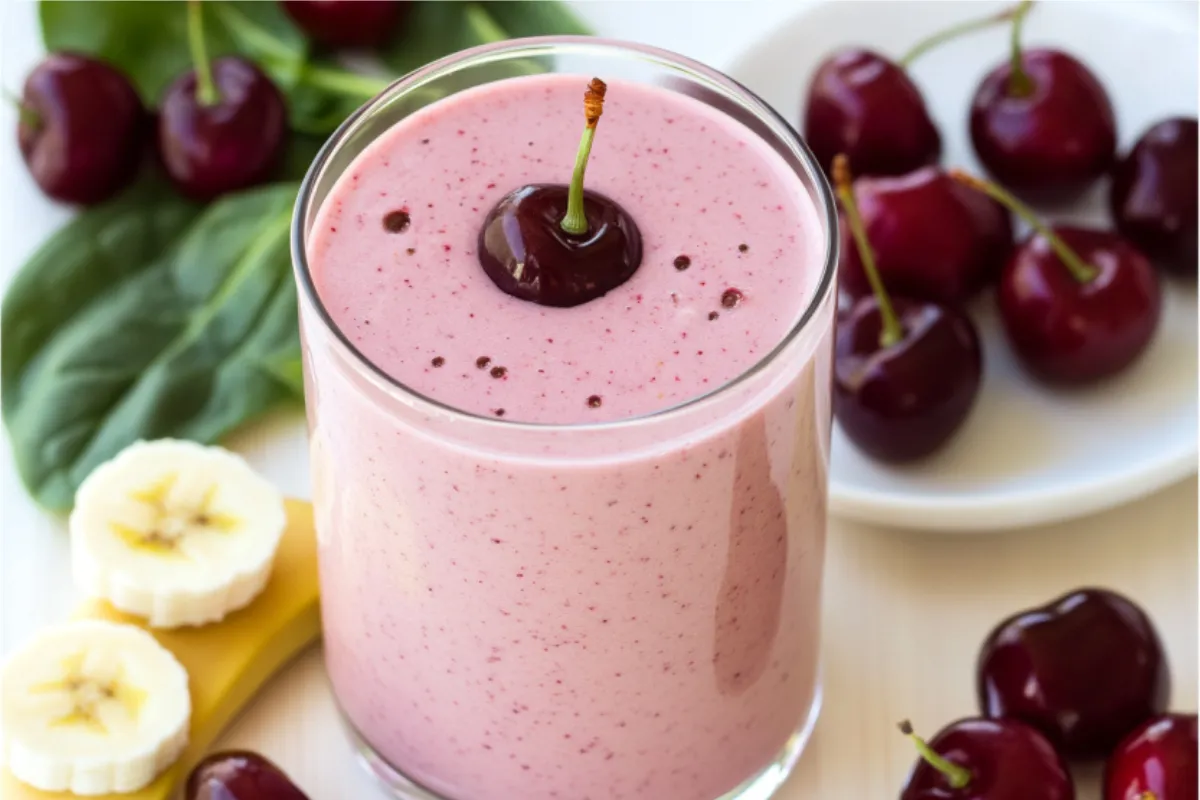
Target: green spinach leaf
535, 18
101, 247
148, 40
188, 342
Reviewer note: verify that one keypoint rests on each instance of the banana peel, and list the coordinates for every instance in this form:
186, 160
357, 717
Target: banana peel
229, 661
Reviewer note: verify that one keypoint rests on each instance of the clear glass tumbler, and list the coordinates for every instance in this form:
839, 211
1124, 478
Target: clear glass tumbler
699, 677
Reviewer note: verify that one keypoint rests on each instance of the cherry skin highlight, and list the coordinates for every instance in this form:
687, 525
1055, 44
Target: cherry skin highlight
934, 239
240, 775
1051, 143
1070, 332
1159, 758
901, 402
1153, 195
1085, 669
1005, 759
865, 106
82, 128
527, 254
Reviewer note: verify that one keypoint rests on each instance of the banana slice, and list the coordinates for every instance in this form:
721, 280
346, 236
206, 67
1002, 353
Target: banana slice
175, 532
93, 707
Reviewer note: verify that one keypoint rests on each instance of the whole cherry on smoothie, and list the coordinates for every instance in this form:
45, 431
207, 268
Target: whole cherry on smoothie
347, 23
1156, 761
559, 245
933, 238
1042, 123
1085, 669
986, 759
81, 128
864, 105
222, 125
906, 372
1153, 194
239, 775
1077, 304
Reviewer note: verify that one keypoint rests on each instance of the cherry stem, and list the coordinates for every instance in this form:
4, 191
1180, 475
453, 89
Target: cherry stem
892, 332
1079, 269
206, 90
1019, 82
25, 114
961, 29
575, 222
957, 775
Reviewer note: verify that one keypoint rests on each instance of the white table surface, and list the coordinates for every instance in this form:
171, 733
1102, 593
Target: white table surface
904, 612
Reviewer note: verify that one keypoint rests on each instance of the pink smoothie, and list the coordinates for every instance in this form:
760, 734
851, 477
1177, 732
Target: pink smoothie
514, 612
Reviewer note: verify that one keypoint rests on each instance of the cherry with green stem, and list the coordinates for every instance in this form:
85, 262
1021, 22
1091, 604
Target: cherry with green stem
561, 245
906, 371
863, 105
1077, 304
986, 759
1042, 123
933, 238
1013, 13
957, 776
206, 91
222, 126
81, 128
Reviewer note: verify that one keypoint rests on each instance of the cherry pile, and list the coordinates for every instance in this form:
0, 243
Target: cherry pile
1077, 304
1083, 677
220, 127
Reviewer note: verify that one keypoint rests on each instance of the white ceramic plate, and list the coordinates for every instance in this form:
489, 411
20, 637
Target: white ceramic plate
1027, 454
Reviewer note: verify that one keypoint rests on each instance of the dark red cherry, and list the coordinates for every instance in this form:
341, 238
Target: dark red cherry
1070, 331
236, 142
1154, 191
82, 128
902, 401
865, 106
527, 254
992, 759
1085, 669
240, 775
1157, 761
934, 239
347, 23
1047, 140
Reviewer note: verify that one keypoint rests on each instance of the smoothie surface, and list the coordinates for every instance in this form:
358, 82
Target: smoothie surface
417, 303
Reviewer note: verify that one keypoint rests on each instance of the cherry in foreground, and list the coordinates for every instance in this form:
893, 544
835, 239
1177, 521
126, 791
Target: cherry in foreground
347, 23
221, 126
933, 238
906, 372
81, 128
1077, 304
239, 775
986, 759
1042, 124
1157, 761
1154, 195
1085, 669
865, 106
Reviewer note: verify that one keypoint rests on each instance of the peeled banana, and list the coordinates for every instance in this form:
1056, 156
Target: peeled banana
176, 532
226, 662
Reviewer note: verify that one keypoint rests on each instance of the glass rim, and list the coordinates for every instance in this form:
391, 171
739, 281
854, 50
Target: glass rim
542, 46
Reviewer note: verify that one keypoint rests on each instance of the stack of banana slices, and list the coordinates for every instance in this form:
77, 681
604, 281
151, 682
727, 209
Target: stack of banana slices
174, 532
